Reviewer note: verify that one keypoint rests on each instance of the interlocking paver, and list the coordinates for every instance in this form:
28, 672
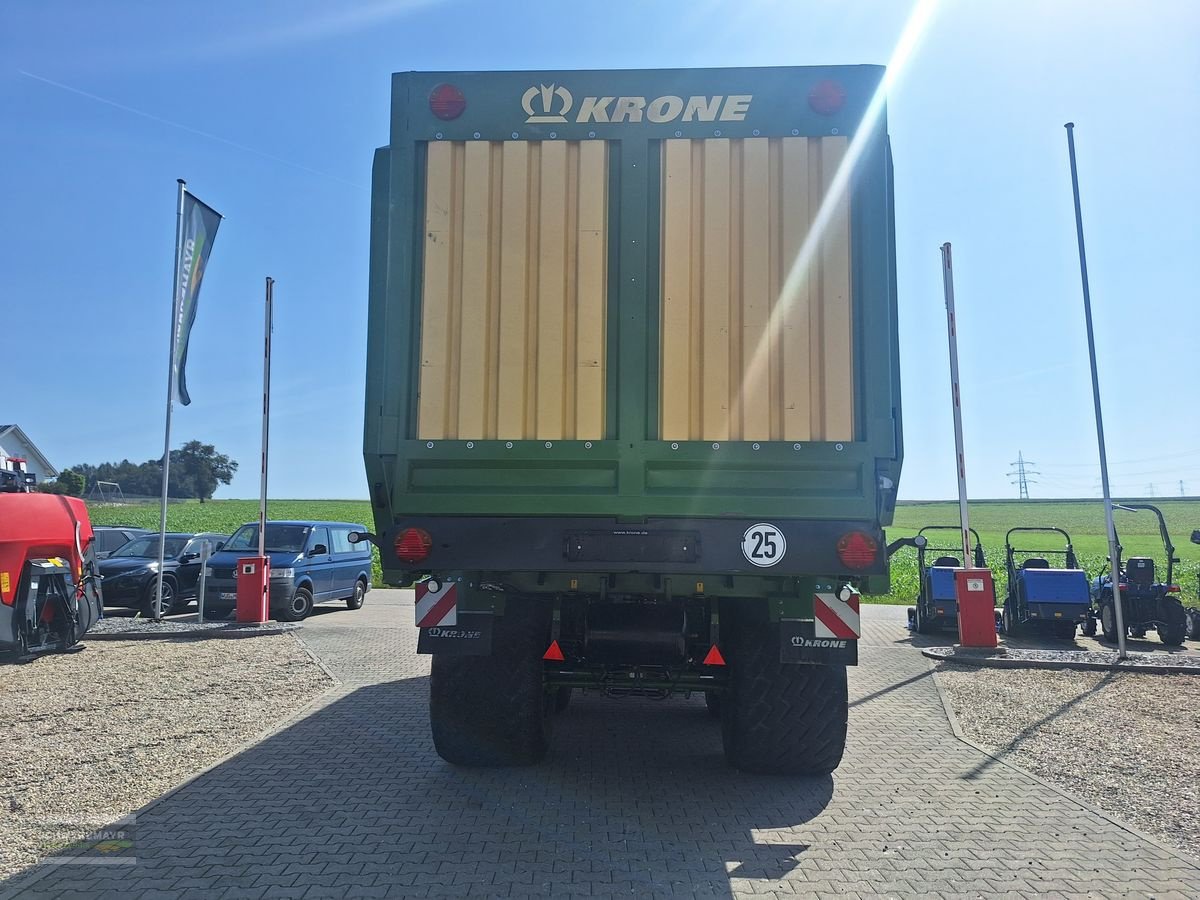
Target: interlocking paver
635, 800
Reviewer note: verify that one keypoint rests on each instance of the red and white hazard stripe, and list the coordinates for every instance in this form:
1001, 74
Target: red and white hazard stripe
439, 607
834, 618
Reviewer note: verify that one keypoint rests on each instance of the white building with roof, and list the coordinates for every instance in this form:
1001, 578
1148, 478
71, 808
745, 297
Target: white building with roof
15, 444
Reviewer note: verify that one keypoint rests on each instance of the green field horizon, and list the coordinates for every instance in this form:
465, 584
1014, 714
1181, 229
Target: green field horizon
1083, 519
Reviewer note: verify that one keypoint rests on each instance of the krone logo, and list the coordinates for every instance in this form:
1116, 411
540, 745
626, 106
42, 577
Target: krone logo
546, 95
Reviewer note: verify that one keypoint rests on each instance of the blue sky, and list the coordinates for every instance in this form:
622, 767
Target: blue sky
271, 111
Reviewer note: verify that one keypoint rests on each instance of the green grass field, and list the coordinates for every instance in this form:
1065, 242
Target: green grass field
1084, 519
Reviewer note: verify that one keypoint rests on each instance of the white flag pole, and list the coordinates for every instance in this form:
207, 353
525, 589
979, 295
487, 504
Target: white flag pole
172, 374
266, 421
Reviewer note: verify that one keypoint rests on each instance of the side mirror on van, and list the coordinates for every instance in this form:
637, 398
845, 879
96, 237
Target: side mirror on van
362, 537
318, 550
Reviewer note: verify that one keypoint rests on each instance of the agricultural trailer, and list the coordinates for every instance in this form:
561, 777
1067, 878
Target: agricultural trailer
1053, 600
633, 401
936, 605
49, 584
1146, 601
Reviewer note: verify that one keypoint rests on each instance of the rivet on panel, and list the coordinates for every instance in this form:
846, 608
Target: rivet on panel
716, 446
549, 444
470, 445
833, 131
429, 445
438, 135
477, 135
839, 447
756, 446
756, 132
591, 134
553, 135
716, 132
515, 135
587, 445
674, 446
678, 134
795, 131
508, 445
795, 446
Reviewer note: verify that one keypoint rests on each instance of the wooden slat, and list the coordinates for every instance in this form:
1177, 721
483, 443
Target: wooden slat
474, 365
432, 408
514, 291
837, 382
676, 371
797, 297
755, 393
551, 297
715, 293
592, 288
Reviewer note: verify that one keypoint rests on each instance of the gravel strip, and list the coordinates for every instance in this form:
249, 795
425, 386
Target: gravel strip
1011, 657
1124, 742
90, 737
139, 627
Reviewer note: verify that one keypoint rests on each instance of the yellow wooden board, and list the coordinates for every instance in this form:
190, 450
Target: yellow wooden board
515, 288
757, 318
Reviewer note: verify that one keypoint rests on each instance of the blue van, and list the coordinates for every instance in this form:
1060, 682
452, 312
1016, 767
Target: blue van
311, 562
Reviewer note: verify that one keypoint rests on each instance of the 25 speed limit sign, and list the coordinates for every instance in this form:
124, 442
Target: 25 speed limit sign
763, 544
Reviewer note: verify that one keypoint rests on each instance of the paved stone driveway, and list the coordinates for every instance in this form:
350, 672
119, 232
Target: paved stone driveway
635, 800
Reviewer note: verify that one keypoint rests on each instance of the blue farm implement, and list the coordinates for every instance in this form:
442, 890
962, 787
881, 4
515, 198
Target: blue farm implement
937, 603
1146, 601
1050, 599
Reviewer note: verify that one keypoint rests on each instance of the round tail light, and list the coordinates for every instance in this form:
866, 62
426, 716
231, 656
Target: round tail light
826, 97
857, 550
447, 102
413, 545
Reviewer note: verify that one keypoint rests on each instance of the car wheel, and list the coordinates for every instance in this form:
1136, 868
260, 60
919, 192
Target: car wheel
149, 595
355, 600
300, 607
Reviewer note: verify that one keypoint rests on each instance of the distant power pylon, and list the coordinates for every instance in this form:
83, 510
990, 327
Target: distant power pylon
1021, 473
1182, 492
1150, 490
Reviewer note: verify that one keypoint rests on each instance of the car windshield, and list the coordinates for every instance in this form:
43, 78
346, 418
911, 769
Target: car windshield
281, 538
147, 547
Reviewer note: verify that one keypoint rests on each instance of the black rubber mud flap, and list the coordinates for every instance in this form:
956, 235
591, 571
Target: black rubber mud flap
778, 718
494, 710
471, 636
798, 643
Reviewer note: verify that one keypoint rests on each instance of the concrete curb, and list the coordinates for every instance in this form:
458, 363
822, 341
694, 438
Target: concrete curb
15, 886
1000, 760
949, 654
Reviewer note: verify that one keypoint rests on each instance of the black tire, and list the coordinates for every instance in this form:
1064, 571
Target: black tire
493, 710
1108, 621
1008, 622
777, 718
1063, 631
355, 600
562, 699
1173, 631
1193, 619
924, 626
149, 595
712, 702
1089, 626
300, 607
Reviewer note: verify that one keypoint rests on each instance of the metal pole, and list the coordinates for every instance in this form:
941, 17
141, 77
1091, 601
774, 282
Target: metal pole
205, 553
956, 400
1114, 551
171, 374
266, 413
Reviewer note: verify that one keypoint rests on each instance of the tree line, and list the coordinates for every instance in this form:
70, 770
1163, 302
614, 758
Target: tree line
197, 469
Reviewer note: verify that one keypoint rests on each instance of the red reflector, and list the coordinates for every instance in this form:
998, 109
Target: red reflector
553, 652
1173, 589
413, 544
857, 550
714, 657
1124, 587
826, 97
447, 102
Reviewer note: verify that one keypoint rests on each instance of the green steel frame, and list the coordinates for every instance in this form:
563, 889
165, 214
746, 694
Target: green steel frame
854, 480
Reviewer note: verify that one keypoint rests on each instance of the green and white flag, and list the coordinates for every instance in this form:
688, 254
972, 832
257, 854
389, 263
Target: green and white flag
197, 231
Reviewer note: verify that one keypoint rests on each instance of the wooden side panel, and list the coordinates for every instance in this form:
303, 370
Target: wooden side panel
757, 319
514, 299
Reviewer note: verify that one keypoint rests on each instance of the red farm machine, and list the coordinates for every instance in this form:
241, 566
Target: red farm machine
49, 585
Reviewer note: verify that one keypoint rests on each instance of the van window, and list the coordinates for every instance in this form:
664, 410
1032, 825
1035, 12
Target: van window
319, 536
341, 540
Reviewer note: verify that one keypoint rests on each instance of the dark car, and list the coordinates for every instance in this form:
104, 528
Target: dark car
129, 573
311, 562
113, 537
